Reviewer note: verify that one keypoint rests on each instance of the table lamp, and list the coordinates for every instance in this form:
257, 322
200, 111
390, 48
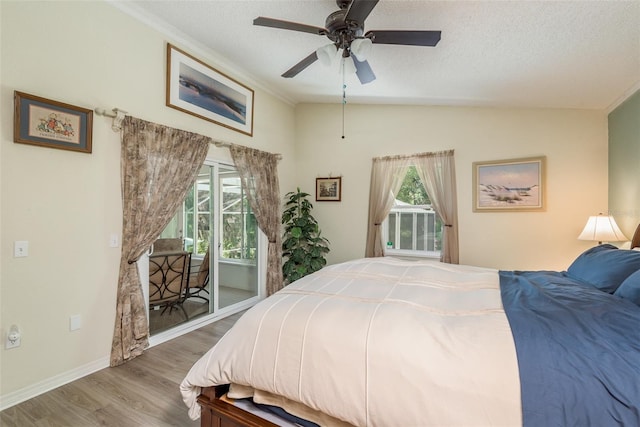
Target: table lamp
602, 228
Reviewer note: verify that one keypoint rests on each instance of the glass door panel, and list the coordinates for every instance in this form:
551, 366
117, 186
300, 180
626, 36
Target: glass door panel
219, 274
237, 261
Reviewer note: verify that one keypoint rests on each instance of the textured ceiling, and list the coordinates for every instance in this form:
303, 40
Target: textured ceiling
563, 54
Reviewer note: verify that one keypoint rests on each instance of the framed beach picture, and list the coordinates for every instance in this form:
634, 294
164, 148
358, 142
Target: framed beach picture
509, 185
328, 189
198, 89
53, 124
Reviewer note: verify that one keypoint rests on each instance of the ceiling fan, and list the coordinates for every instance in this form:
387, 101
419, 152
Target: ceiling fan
345, 29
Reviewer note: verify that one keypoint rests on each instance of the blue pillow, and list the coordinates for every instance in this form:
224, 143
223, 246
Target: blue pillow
605, 266
630, 288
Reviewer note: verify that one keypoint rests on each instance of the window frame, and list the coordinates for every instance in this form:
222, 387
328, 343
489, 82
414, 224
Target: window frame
415, 253
397, 209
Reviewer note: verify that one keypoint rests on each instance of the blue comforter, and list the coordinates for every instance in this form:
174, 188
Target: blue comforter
578, 351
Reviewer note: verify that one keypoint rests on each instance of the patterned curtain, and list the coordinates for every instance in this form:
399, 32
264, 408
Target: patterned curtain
259, 174
438, 174
158, 166
387, 174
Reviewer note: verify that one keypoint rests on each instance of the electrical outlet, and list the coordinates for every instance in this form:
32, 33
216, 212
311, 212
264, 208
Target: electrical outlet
14, 338
20, 248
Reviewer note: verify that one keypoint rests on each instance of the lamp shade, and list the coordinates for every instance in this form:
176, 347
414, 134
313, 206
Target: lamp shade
602, 228
326, 54
361, 48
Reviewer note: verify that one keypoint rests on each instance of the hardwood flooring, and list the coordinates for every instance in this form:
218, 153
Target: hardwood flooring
142, 392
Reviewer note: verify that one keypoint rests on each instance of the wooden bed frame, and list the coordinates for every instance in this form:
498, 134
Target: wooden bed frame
219, 413
635, 240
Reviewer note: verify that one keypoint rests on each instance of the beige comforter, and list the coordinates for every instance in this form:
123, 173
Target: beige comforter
377, 342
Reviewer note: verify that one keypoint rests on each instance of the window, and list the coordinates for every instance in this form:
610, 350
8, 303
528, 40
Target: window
413, 228
239, 228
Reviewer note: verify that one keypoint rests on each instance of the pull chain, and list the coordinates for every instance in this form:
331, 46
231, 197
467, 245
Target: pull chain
344, 94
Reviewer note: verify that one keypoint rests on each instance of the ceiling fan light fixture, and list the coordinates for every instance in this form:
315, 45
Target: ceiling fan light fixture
345, 28
361, 48
326, 54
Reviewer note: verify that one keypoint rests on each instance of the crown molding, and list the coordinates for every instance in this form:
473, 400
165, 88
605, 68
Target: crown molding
626, 95
197, 49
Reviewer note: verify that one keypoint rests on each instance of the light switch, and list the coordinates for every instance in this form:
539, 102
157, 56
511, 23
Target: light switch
20, 248
114, 240
75, 322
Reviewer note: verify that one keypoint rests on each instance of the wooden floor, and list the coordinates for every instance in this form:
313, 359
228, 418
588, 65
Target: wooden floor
142, 392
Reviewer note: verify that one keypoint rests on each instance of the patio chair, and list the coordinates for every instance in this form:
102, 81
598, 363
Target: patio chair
202, 281
168, 280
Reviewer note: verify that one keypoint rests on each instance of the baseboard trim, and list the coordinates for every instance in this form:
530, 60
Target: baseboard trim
19, 396
29, 392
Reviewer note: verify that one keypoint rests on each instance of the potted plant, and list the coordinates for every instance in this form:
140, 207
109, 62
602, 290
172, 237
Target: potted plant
302, 245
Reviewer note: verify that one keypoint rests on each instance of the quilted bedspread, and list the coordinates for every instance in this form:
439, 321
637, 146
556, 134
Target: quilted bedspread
377, 342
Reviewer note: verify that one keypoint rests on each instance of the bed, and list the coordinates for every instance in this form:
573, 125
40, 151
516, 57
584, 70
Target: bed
388, 342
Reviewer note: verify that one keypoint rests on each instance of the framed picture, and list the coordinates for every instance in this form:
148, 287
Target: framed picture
509, 185
328, 189
198, 89
41, 121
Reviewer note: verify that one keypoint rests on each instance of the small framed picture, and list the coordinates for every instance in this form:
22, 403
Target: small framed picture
195, 88
509, 185
328, 189
53, 124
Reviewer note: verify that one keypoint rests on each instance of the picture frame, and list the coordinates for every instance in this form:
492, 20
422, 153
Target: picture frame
329, 189
48, 123
196, 88
513, 185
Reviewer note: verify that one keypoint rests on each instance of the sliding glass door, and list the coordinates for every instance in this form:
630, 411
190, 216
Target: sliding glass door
238, 235
217, 230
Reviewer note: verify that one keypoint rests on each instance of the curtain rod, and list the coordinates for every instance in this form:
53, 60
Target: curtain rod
413, 156
222, 144
118, 117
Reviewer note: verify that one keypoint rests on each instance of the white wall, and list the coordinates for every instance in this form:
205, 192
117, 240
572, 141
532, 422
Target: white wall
574, 142
66, 204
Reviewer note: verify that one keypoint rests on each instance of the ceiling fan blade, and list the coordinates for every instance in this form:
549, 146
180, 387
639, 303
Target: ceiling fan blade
359, 10
293, 71
413, 38
363, 71
287, 25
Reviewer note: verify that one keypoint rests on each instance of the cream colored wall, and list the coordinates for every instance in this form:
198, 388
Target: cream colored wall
574, 142
66, 204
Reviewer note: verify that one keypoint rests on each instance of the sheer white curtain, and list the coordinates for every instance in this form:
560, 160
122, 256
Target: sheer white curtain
387, 174
438, 174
